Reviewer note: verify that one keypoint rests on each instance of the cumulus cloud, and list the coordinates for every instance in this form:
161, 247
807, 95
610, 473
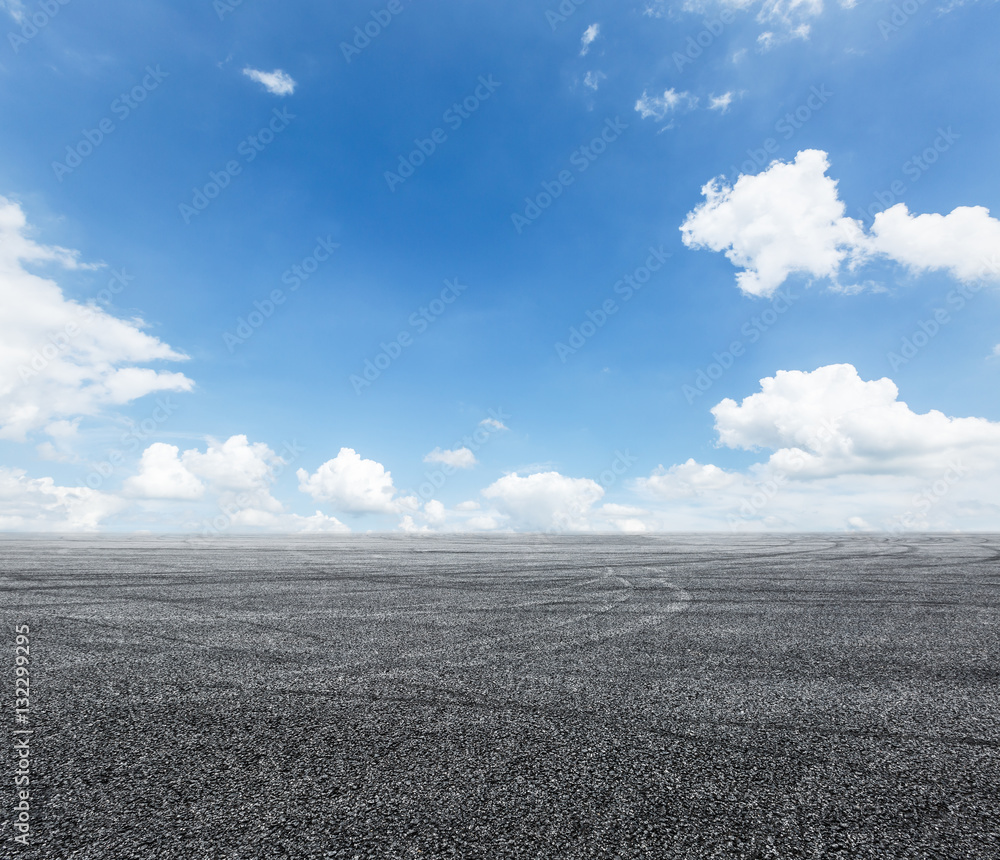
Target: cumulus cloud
591, 33
545, 500
789, 219
354, 485
832, 422
435, 512
277, 83
658, 107
235, 476
236, 464
59, 358
964, 242
844, 451
162, 475
459, 458
493, 424
230, 468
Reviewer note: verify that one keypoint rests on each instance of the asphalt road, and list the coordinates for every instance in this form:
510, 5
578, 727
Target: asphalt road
398, 697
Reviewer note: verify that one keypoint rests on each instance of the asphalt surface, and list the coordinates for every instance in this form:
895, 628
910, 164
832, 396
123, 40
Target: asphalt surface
661, 697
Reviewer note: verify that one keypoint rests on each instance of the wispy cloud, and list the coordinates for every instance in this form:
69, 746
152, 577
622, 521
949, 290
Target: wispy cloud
460, 458
659, 106
277, 83
591, 33
720, 103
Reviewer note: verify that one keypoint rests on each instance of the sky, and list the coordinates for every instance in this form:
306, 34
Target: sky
571, 266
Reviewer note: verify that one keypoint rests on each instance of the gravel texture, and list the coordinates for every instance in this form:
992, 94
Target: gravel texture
526, 697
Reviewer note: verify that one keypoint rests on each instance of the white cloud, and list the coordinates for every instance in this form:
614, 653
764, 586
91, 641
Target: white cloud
225, 488
318, 522
493, 424
409, 526
624, 518
63, 434
253, 519
846, 453
720, 103
593, 79
39, 504
545, 500
964, 242
483, 524
435, 512
688, 480
236, 464
766, 40
58, 358
787, 219
277, 83
786, 12
235, 476
234, 468
831, 422
659, 106
591, 33
354, 485
162, 475
460, 458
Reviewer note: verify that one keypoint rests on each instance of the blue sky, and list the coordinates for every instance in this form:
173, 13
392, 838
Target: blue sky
302, 131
